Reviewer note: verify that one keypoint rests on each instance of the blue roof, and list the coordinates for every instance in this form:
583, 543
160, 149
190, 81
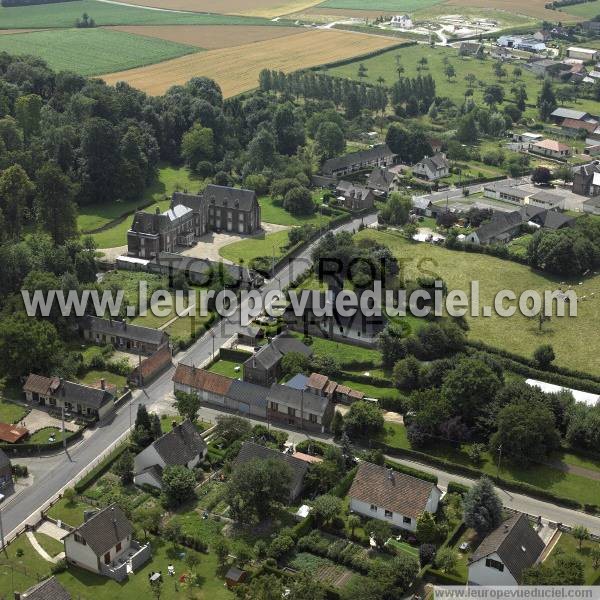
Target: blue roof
297, 382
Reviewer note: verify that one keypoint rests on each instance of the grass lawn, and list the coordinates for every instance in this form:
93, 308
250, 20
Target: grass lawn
69, 512
271, 213
370, 391
519, 245
130, 281
169, 180
570, 546
94, 376
544, 477
49, 544
83, 51
568, 335
344, 353
384, 65
587, 10
262, 245
227, 368
41, 436
65, 14
403, 547
11, 412
17, 573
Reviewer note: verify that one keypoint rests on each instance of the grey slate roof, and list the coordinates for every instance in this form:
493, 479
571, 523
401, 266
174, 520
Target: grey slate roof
552, 219
4, 460
180, 445
354, 158
49, 589
501, 223
123, 329
268, 356
220, 195
435, 162
251, 451
193, 201
105, 529
515, 541
83, 394
547, 197
380, 179
244, 391
306, 402
297, 382
568, 113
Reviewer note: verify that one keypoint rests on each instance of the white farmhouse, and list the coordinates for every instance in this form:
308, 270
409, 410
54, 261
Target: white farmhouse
401, 22
104, 545
384, 494
432, 167
183, 445
505, 553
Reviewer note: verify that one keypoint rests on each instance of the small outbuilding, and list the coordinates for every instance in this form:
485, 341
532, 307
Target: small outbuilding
235, 576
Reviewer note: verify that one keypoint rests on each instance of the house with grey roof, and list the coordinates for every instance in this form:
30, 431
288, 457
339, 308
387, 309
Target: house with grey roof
583, 179
264, 367
505, 553
217, 208
104, 544
396, 498
301, 408
48, 589
122, 335
548, 200
182, 446
561, 113
502, 228
354, 197
382, 181
378, 156
88, 401
433, 167
250, 451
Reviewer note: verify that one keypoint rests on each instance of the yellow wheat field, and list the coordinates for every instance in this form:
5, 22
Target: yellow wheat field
236, 69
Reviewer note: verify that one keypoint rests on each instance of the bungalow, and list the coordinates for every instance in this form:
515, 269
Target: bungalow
378, 156
381, 181
507, 190
503, 227
381, 493
264, 367
546, 67
85, 400
422, 205
299, 408
48, 589
104, 544
547, 200
585, 54
432, 168
551, 148
6, 478
182, 446
251, 451
505, 553
574, 126
222, 392
122, 335
355, 197
527, 138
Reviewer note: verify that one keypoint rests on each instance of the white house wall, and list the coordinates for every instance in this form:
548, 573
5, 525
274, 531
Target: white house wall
397, 520
479, 574
147, 458
81, 555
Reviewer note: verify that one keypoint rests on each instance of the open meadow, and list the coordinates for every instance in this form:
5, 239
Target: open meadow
384, 65
64, 14
533, 8
587, 10
257, 8
236, 69
83, 51
210, 37
396, 6
570, 336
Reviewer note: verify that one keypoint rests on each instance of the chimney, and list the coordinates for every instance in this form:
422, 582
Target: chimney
391, 474
17, 596
157, 210
112, 513
103, 383
505, 528
173, 424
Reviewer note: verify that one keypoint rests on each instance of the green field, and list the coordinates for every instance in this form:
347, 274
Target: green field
84, 51
568, 545
545, 477
169, 180
11, 412
65, 14
384, 5
269, 245
588, 9
569, 336
384, 65
271, 213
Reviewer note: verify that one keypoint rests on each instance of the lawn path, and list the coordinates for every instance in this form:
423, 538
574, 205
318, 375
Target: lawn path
574, 469
41, 551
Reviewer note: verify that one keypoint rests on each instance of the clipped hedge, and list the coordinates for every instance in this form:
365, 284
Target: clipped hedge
412, 472
457, 488
99, 470
342, 488
368, 380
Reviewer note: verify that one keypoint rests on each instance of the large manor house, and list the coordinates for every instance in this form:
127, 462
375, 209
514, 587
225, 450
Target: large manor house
218, 209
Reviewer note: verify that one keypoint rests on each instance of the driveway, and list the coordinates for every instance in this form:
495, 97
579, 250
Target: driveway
38, 419
208, 245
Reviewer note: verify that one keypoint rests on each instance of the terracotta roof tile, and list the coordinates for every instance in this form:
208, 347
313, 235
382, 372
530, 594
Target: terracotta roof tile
317, 381
201, 379
12, 433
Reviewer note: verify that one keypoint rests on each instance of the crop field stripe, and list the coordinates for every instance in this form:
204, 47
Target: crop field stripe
533, 8
236, 69
256, 8
65, 14
384, 5
211, 37
92, 51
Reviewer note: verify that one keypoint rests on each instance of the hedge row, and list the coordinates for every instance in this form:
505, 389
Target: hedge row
233, 355
27, 448
452, 467
99, 470
367, 379
457, 488
342, 488
411, 471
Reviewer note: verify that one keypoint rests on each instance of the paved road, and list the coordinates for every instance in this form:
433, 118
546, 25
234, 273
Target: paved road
24, 506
